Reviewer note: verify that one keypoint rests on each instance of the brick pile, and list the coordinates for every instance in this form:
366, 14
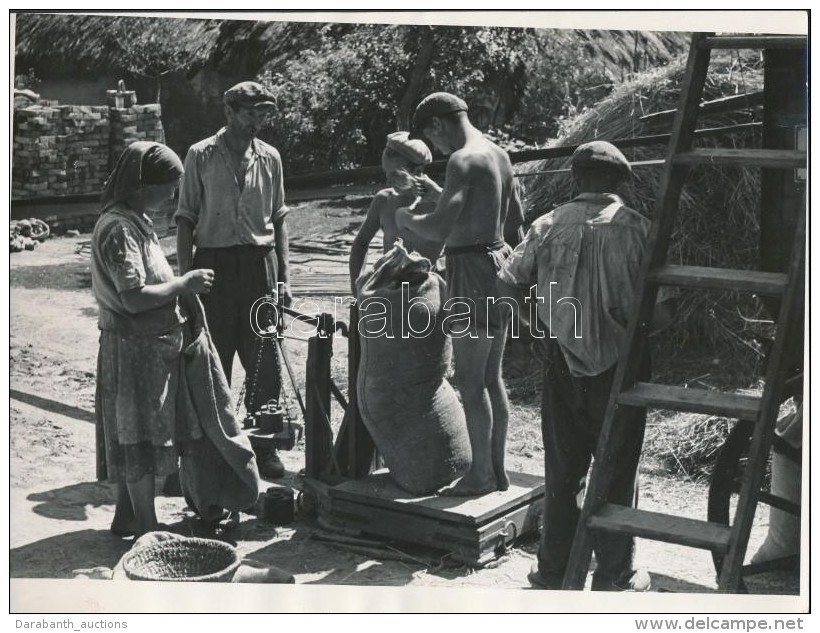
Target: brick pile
137, 123
67, 150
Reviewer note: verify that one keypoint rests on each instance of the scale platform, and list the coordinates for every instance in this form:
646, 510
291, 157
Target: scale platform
475, 530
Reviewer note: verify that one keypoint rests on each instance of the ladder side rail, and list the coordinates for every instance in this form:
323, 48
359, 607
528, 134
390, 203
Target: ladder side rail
635, 340
732, 568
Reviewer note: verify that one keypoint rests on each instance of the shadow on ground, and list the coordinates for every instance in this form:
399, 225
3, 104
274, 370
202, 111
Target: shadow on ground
60, 556
67, 276
69, 502
52, 405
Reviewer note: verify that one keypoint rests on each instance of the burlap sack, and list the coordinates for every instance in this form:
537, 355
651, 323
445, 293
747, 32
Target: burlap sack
413, 414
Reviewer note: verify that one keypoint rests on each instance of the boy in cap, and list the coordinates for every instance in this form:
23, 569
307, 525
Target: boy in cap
232, 207
474, 213
587, 252
403, 162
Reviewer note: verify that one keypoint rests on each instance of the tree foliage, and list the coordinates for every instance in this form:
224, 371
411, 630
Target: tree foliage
342, 87
339, 97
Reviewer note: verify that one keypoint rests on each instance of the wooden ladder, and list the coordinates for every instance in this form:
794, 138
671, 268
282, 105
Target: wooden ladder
599, 515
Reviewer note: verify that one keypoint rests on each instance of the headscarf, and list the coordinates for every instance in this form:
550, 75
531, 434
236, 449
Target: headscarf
141, 163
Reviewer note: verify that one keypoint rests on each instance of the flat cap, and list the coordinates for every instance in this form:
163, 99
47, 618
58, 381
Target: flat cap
414, 150
436, 104
249, 94
600, 153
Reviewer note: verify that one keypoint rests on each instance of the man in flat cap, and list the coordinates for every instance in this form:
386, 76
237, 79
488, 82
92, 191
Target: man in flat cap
585, 258
403, 162
475, 212
232, 207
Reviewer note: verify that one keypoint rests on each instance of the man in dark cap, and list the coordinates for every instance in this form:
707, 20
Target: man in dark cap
232, 207
584, 258
475, 212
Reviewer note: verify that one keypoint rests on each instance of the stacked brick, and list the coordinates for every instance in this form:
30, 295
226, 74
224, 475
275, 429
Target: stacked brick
137, 123
65, 150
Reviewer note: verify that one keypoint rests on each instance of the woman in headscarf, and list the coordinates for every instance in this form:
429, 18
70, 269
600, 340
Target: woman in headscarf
138, 367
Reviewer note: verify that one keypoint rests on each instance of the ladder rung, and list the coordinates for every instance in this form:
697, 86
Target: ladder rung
754, 41
720, 279
774, 158
730, 405
661, 527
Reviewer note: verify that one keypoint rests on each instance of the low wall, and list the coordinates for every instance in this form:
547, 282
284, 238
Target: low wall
69, 150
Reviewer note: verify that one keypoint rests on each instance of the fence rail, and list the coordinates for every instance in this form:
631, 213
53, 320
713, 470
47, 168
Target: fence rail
366, 180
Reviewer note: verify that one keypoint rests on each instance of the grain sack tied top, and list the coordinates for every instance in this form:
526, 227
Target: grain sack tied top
407, 405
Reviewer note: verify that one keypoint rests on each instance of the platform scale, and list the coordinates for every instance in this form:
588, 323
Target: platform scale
474, 530
347, 496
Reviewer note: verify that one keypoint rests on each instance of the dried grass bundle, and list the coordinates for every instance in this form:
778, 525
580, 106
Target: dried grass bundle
718, 223
689, 445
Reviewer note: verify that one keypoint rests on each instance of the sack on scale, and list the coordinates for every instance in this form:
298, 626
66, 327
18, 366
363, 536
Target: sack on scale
413, 414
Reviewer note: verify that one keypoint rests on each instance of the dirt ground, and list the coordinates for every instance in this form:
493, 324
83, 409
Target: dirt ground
60, 515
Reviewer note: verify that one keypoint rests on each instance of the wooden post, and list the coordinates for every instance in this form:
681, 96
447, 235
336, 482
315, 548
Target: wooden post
318, 433
354, 447
782, 191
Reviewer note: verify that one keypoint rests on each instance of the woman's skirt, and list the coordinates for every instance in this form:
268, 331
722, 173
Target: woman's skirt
139, 422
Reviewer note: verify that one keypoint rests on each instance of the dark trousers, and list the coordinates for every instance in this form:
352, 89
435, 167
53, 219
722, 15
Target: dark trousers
572, 413
242, 274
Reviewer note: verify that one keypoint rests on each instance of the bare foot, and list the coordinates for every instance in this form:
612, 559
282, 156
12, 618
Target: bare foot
502, 480
468, 487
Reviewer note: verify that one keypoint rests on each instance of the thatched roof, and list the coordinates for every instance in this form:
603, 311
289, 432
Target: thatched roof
91, 42
87, 41
628, 51
252, 45
718, 222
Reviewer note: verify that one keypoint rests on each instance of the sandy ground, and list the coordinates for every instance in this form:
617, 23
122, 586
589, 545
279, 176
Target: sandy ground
60, 515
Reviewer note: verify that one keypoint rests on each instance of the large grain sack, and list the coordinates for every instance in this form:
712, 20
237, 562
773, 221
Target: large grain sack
783, 537
413, 414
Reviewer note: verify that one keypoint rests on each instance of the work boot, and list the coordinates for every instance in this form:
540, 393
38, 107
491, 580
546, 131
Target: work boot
172, 486
269, 465
544, 581
630, 580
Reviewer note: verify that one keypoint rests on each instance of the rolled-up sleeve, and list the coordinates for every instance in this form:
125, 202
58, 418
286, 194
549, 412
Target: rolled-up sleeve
521, 267
190, 192
122, 257
278, 207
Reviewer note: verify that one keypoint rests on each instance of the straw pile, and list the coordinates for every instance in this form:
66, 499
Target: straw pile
719, 213
688, 445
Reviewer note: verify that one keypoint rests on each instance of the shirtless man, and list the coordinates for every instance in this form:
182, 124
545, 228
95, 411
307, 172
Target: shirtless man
403, 161
475, 212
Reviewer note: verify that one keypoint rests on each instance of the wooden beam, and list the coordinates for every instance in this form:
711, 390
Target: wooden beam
754, 42
661, 527
724, 104
772, 158
318, 432
354, 445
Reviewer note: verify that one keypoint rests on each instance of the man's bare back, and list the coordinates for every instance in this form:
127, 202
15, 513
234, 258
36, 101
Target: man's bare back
487, 184
477, 208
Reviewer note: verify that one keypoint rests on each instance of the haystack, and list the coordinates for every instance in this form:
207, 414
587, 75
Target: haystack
720, 207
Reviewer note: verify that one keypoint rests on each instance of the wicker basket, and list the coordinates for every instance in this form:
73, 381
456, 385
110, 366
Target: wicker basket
189, 559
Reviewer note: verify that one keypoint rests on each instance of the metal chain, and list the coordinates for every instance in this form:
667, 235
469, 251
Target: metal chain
252, 377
